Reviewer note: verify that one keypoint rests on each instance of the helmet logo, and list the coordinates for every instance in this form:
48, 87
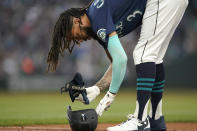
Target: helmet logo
83, 117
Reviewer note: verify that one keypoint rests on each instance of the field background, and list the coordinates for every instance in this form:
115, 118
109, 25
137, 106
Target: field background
179, 105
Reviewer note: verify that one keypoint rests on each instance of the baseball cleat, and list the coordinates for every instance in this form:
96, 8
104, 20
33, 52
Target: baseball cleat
157, 125
132, 124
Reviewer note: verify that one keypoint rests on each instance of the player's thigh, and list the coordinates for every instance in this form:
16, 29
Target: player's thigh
171, 25
159, 23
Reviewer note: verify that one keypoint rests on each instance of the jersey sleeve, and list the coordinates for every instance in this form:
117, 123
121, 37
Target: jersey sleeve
102, 21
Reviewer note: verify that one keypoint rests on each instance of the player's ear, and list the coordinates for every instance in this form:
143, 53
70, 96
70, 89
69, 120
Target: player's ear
76, 20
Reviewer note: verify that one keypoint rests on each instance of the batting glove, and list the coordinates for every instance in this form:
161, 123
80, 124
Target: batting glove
105, 103
92, 93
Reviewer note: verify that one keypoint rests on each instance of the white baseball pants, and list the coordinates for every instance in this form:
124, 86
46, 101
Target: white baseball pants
159, 23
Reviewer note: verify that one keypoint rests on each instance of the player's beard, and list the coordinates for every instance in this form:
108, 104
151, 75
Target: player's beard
89, 32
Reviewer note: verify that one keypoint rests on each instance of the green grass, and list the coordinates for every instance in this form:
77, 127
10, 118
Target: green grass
50, 108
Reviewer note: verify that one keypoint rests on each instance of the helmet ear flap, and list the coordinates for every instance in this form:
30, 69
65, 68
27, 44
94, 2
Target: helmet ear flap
82, 120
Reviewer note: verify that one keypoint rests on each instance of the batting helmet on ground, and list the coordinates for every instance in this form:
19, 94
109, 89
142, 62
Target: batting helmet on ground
82, 120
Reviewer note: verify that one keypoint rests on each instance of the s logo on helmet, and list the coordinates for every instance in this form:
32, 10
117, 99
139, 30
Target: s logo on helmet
101, 33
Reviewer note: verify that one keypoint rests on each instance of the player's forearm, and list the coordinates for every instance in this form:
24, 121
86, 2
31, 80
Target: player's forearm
105, 81
119, 63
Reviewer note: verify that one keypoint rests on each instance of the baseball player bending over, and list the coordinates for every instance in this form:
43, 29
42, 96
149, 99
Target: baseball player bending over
108, 20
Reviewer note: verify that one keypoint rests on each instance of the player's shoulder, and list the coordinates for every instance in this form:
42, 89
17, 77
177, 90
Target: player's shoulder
98, 6
96, 12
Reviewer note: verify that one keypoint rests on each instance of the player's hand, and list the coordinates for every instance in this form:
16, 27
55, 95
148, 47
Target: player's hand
105, 103
75, 88
92, 93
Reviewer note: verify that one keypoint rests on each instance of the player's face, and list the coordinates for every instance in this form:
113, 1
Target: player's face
80, 32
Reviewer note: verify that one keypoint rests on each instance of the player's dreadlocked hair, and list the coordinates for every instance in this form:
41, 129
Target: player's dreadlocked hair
62, 30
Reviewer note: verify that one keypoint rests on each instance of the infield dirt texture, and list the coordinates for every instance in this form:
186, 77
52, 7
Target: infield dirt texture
100, 127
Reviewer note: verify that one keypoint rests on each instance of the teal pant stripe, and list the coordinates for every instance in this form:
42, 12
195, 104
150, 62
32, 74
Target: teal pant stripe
146, 79
145, 84
158, 86
144, 89
161, 82
161, 90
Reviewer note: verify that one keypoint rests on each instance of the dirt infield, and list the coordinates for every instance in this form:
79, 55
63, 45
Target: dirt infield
101, 127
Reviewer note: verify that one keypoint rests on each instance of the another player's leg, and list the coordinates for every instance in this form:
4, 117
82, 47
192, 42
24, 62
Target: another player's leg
156, 118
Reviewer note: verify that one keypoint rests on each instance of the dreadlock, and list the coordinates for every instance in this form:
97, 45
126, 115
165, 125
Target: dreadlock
62, 30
